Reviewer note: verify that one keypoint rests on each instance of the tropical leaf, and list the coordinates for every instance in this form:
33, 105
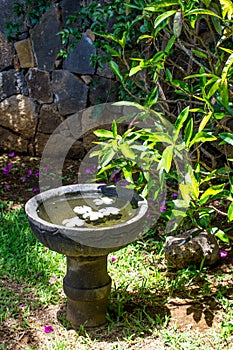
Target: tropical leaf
226, 137
202, 12
202, 136
230, 212
166, 160
205, 121
126, 151
104, 133
226, 68
211, 191
227, 8
116, 70
162, 17
177, 24
180, 121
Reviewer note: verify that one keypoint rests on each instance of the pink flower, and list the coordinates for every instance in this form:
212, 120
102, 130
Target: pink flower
162, 207
113, 258
89, 171
22, 305
52, 280
223, 254
48, 329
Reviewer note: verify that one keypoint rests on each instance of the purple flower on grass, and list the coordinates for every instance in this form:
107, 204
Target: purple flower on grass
37, 174
7, 168
89, 171
162, 208
7, 187
39, 275
223, 254
35, 190
24, 179
22, 305
52, 280
113, 258
48, 329
174, 195
12, 154
29, 172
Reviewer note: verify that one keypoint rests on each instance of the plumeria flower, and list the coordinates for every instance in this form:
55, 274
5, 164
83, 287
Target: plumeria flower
83, 209
73, 222
103, 200
93, 215
48, 329
113, 210
109, 210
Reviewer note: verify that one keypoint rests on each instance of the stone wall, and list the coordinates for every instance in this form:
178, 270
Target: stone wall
38, 91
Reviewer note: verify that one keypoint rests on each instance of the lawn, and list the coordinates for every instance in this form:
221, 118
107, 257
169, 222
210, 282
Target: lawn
151, 306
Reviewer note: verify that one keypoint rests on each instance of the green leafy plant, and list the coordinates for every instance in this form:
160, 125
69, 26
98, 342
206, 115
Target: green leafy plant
28, 12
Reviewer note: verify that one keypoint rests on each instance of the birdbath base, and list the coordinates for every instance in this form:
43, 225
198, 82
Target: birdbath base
87, 286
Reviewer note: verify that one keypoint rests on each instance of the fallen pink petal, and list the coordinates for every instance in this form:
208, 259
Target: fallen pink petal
223, 254
48, 329
113, 258
52, 280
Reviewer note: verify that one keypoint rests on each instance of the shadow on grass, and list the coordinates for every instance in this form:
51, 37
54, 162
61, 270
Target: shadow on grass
130, 314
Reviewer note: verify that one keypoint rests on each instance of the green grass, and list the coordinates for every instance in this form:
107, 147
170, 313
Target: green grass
31, 279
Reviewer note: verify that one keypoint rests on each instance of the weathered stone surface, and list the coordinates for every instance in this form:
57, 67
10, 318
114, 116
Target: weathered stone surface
25, 53
11, 141
79, 60
38, 82
105, 71
70, 92
102, 90
21, 83
191, 248
8, 84
18, 114
7, 14
49, 119
45, 41
69, 7
6, 52
57, 145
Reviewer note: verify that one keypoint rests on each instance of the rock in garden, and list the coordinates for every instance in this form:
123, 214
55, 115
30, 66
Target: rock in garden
191, 248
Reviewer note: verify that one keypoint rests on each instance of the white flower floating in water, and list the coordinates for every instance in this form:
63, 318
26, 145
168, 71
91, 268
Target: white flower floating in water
76, 221
93, 215
88, 213
109, 210
103, 200
82, 209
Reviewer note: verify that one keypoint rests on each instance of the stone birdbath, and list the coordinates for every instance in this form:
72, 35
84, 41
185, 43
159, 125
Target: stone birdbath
86, 223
